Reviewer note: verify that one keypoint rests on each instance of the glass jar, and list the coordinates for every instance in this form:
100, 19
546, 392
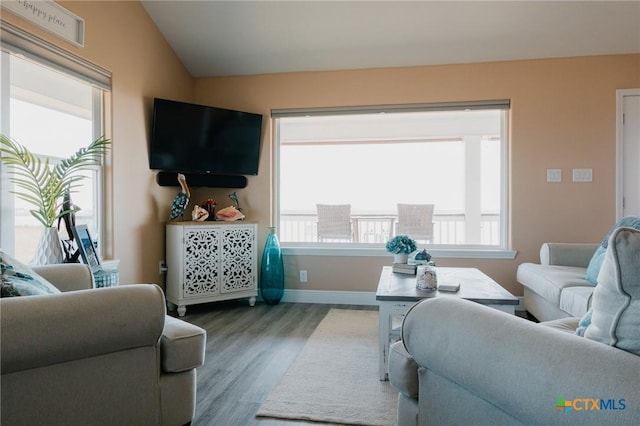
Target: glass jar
426, 277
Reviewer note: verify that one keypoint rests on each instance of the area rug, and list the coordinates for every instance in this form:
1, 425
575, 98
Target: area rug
335, 379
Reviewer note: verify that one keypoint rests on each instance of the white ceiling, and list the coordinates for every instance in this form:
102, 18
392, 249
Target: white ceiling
218, 38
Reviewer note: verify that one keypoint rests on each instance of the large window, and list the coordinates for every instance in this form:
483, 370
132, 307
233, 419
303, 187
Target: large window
355, 178
52, 113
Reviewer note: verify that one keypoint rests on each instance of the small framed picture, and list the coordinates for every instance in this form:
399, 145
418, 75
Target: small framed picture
86, 248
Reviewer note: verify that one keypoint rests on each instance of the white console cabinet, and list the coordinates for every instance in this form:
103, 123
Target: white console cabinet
211, 261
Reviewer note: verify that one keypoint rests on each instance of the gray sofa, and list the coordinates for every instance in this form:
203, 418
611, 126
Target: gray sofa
556, 287
461, 363
106, 356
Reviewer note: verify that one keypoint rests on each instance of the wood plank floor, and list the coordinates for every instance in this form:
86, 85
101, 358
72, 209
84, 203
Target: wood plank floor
248, 351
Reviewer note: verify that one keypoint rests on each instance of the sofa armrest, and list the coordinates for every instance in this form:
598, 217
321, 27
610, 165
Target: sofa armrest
519, 366
67, 276
403, 370
567, 254
38, 331
182, 346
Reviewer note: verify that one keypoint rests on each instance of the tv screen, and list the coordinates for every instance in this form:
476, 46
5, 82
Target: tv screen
191, 138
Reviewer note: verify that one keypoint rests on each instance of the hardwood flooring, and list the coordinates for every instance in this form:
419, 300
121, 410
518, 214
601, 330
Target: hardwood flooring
248, 351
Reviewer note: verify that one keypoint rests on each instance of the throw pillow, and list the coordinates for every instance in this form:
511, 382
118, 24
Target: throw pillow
596, 261
616, 299
17, 279
585, 321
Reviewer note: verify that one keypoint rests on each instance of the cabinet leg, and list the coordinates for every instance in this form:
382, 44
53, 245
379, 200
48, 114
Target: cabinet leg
252, 301
182, 310
171, 306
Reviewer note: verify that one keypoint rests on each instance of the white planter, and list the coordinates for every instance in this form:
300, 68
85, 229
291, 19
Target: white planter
49, 250
400, 258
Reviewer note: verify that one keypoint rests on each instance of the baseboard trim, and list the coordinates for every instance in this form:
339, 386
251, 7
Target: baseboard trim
330, 297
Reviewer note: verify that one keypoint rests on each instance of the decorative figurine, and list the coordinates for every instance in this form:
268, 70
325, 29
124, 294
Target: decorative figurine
68, 211
199, 214
234, 200
181, 201
210, 207
423, 256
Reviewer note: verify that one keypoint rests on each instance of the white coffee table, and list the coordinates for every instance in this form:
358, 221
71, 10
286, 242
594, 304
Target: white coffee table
397, 293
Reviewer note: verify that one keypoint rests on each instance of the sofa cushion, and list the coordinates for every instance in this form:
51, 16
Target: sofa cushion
568, 325
596, 261
549, 281
616, 299
17, 279
576, 300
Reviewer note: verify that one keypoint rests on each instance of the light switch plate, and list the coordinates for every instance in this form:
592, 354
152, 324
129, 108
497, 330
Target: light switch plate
583, 175
554, 175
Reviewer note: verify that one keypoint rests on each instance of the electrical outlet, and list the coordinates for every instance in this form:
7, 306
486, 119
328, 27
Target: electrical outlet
162, 267
303, 276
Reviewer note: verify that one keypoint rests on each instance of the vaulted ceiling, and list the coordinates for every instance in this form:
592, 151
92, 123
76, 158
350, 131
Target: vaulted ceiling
216, 38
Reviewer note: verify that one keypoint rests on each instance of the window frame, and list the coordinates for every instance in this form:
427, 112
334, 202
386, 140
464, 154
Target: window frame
504, 250
20, 43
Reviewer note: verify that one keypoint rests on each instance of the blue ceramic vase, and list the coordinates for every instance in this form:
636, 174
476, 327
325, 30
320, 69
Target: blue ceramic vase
272, 270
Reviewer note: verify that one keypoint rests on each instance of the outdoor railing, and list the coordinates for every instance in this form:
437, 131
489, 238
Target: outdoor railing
448, 229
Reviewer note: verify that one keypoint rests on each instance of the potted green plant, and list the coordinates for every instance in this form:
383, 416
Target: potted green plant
43, 185
401, 246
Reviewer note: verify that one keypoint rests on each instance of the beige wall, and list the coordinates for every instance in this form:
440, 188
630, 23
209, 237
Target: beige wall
121, 37
563, 116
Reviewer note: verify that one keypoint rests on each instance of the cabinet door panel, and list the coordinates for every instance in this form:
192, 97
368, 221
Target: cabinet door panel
201, 262
238, 265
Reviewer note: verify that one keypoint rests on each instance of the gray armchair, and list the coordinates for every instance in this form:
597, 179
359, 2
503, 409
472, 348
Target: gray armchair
96, 356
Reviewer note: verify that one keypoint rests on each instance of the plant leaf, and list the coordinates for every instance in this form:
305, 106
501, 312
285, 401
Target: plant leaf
43, 185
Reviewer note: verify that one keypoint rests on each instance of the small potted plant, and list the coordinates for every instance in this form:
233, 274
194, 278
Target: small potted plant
401, 246
44, 185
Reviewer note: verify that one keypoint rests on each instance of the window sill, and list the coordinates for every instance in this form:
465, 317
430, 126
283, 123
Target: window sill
438, 253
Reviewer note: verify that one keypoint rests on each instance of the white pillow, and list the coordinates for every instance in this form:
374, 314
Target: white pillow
616, 298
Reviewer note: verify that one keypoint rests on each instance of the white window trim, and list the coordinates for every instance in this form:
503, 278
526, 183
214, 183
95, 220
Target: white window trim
16, 41
360, 251
504, 251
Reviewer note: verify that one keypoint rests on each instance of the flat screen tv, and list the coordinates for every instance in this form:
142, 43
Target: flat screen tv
192, 138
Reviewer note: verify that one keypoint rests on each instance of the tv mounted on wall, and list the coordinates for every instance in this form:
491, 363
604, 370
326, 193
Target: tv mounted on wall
198, 139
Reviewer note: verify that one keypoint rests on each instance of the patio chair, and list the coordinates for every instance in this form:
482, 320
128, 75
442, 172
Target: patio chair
334, 222
416, 221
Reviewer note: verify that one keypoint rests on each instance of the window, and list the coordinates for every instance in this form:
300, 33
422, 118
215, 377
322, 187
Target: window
449, 156
53, 113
